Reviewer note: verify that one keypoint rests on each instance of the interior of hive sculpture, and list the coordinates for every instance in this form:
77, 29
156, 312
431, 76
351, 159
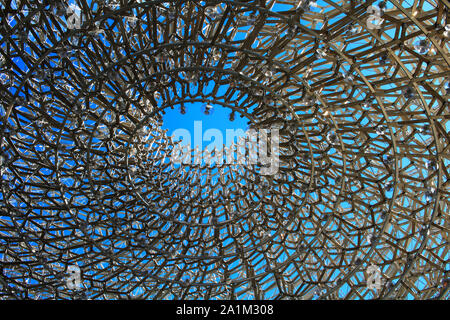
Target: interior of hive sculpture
357, 91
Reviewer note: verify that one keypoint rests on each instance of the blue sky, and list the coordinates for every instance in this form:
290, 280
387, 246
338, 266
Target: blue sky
219, 119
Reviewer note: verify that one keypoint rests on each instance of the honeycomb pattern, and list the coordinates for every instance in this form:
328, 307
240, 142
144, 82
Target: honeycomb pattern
87, 180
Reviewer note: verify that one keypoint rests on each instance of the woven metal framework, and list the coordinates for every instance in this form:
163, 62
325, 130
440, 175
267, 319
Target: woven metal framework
364, 150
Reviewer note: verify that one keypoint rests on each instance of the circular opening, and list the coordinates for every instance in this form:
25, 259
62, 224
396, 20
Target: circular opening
201, 119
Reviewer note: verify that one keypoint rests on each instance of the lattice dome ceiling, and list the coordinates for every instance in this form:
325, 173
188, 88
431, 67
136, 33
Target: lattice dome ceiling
363, 114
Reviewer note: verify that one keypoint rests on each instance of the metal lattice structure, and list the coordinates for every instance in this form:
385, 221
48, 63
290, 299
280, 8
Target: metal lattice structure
364, 150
